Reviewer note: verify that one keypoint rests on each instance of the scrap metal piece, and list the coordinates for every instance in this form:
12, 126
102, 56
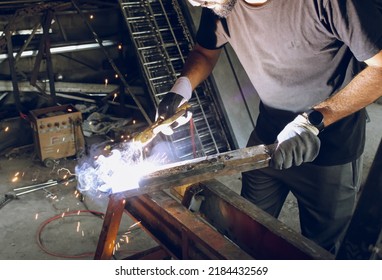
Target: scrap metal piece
40, 186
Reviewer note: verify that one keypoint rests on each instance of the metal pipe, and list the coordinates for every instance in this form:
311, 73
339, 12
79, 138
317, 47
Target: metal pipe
36, 185
64, 49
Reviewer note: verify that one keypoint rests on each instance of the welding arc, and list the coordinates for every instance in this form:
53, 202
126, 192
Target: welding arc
58, 255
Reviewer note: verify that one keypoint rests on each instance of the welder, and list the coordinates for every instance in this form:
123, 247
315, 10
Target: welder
315, 65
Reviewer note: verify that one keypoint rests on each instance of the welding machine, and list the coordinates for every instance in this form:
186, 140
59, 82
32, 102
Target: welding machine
57, 133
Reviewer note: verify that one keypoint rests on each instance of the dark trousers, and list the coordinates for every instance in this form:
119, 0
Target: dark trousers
326, 195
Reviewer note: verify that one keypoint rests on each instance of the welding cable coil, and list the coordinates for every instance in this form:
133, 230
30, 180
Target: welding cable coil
71, 213
46, 222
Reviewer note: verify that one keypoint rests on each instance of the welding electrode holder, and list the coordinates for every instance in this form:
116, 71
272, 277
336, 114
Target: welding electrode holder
147, 135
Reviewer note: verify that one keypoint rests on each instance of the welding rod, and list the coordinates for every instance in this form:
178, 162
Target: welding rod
36, 185
36, 189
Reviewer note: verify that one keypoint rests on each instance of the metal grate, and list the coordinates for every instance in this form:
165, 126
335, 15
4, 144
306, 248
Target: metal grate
162, 41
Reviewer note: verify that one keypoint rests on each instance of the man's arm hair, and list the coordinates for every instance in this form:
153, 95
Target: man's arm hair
363, 90
199, 64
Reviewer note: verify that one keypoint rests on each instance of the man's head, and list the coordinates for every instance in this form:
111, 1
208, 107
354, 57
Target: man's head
222, 8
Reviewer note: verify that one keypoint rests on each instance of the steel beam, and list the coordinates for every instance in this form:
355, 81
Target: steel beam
181, 233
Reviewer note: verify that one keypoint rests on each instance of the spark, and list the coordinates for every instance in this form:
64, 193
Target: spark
108, 173
126, 238
115, 94
114, 169
63, 214
78, 226
6, 129
83, 233
135, 224
36, 216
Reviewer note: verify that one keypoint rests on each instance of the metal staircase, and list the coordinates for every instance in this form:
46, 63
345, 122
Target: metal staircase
162, 41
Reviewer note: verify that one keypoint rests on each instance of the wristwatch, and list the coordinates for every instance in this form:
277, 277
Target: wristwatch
315, 118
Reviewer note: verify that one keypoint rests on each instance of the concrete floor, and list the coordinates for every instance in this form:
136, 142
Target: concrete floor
58, 223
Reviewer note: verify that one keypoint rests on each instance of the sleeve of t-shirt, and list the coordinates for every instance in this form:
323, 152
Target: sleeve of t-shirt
208, 34
357, 23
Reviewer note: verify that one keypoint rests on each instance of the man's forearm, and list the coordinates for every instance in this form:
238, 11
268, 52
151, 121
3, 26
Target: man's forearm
363, 90
199, 65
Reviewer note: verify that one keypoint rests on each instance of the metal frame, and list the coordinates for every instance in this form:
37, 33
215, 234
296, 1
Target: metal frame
187, 235
162, 41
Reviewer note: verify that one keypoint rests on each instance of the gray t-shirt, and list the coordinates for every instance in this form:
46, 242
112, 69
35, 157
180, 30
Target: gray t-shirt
297, 53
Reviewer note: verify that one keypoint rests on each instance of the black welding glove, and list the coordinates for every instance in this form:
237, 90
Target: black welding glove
296, 143
179, 94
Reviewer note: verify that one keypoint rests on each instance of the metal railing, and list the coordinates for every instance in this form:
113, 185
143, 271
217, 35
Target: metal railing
162, 41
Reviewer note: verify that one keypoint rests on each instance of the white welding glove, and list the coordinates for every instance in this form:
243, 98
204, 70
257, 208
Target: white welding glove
296, 143
179, 94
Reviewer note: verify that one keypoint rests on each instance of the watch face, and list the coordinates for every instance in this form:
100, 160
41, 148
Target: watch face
315, 117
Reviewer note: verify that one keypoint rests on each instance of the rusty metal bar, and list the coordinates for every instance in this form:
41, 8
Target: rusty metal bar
181, 233
109, 231
204, 168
